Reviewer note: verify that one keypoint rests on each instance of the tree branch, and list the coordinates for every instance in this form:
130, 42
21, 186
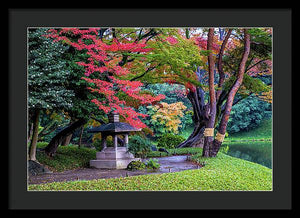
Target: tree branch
143, 74
99, 120
220, 63
255, 64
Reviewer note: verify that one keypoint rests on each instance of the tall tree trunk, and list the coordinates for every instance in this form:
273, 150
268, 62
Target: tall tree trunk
32, 147
68, 137
225, 117
196, 97
80, 137
209, 129
30, 131
58, 138
220, 64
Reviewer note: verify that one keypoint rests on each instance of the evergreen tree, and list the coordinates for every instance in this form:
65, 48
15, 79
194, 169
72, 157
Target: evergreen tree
47, 79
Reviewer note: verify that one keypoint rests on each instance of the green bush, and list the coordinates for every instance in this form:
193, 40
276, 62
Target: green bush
248, 114
152, 164
169, 140
139, 146
136, 165
97, 144
66, 157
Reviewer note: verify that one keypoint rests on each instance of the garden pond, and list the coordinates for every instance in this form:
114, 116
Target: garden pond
255, 151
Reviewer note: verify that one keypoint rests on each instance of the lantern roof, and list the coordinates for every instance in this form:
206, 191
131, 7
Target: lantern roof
114, 126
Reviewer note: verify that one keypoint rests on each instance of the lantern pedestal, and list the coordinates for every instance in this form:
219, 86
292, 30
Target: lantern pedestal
112, 158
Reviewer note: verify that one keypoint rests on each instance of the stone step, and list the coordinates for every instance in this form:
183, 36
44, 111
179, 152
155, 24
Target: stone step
112, 164
113, 155
112, 149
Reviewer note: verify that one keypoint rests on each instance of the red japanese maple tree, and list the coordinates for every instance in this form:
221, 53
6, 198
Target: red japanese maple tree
104, 61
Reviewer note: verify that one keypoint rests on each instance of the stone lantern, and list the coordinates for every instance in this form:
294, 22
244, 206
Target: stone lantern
115, 157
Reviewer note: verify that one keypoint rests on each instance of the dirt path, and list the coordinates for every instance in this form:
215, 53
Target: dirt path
167, 164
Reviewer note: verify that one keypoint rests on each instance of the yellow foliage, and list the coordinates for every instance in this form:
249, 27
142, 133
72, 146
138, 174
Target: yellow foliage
266, 96
169, 114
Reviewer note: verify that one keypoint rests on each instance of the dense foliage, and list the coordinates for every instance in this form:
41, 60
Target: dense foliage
67, 157
148, 75
169, 140
139, 146
152, 164
105, 57
136, 165
47, 75
165, 118
248, 114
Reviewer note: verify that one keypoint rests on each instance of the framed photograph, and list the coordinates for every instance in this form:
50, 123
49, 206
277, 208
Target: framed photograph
150, 109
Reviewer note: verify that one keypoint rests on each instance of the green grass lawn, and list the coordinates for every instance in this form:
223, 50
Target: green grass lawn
222, 173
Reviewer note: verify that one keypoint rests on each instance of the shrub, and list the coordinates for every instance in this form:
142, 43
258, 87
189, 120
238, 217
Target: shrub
136, 165
169, 140
152, 164
97, 144
66, 158
248, 114
139, 146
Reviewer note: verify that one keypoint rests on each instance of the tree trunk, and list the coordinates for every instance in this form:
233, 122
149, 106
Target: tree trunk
66, 140
225, 117
50, 127
210, 124
68, 137
196, 97
56, 140
32, 147
220, 64
80, 137
30, 132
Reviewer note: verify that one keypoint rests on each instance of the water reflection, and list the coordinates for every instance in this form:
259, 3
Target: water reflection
257, 152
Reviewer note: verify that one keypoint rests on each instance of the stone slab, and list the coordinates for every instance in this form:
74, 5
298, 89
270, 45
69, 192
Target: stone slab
113, 155
109, 158
112, 164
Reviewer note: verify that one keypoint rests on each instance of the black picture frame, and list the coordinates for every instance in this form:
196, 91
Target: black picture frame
281, 22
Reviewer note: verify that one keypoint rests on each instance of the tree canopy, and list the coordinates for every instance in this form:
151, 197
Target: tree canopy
79, 70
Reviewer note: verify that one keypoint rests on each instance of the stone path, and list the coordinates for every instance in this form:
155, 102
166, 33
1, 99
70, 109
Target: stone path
167, 164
